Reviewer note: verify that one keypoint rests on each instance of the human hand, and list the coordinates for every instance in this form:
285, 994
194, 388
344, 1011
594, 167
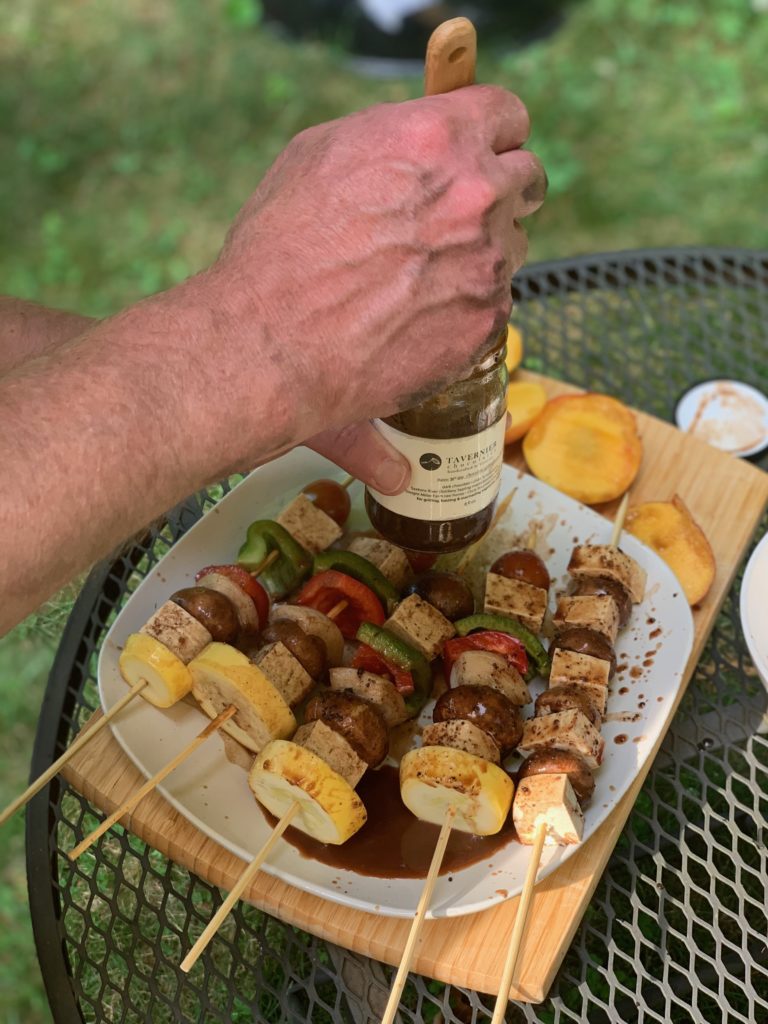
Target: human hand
377, 254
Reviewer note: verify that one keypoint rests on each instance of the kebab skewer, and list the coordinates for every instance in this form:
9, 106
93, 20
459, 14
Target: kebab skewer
309, 780
455, 778
563, 739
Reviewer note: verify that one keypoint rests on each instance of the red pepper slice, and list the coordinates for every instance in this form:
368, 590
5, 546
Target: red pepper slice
371, 661
489, 640
246, 582
327, 589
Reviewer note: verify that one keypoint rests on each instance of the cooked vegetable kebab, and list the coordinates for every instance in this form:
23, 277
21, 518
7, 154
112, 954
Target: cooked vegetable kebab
563, 739
455, 778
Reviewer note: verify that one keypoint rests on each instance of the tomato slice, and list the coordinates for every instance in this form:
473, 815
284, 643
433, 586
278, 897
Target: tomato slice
330, 497
247, 583
489, 640
371, 661
420, 560
328, 588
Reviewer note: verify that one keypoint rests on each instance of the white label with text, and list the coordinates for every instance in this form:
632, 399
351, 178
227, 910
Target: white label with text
450, 477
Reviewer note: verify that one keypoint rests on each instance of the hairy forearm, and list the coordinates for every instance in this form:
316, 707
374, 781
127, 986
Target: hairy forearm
28, 331
112, 429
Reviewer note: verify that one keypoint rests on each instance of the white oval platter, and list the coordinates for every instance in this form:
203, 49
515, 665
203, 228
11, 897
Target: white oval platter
213, 794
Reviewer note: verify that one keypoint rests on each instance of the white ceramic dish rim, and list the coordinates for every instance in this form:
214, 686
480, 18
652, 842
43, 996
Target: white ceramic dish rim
757, 646
687, 405
553, 857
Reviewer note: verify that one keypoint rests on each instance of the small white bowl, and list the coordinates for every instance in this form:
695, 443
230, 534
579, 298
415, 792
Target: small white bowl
754, 608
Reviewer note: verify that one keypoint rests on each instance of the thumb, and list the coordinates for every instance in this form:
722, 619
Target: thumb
362, 451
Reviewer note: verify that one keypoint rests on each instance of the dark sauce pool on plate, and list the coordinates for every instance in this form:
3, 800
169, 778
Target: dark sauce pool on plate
392, 843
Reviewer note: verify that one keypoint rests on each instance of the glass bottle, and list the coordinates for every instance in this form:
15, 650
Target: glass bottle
455, 445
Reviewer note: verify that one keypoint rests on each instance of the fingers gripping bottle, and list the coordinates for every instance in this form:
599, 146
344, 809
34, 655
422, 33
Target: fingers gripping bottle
455, 445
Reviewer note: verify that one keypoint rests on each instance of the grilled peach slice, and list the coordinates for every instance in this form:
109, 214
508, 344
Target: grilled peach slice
525, 401
669, 529
514, 348
586, 446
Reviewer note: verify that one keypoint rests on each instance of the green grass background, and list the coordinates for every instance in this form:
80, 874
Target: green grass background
132, 130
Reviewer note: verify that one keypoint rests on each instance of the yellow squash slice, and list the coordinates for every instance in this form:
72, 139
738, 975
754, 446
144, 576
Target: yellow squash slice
220, 678
434, 778
329, 809
168, 678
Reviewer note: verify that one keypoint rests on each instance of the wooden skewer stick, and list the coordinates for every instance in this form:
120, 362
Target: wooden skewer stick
519, 927
265, 563
253, 868
413, 936
618, 522
337, 609
239, 887
155, 780
471, 551
346, 484
82, 739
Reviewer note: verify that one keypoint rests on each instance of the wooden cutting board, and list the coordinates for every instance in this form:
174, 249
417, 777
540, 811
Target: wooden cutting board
727, 497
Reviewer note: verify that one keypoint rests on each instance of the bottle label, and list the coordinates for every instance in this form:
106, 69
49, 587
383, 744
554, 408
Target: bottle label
451, 477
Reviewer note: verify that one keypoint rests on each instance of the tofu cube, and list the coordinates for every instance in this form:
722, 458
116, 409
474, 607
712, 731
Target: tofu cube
309, 525
285, 672
181, 633
333, 748
602, 560
565, 730
388, 558
591, 674
420, 625
597, 612
517, 599
547, 799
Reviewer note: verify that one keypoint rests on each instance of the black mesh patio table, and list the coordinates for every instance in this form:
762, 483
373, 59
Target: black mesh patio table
676, 930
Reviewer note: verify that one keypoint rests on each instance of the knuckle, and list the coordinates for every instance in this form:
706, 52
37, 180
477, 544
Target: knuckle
483, 192
427, 129
474, 195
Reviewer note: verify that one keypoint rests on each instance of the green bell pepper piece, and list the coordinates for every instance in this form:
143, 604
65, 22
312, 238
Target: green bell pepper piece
360, 569
287, 571
396, 651
504, 624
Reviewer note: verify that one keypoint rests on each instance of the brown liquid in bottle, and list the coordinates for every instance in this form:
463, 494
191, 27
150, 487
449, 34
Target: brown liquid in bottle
473, 407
